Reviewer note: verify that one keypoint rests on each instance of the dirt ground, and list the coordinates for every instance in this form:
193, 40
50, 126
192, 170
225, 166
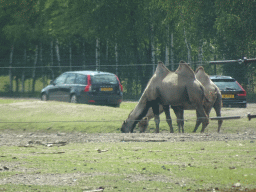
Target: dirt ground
25, 139
8, 138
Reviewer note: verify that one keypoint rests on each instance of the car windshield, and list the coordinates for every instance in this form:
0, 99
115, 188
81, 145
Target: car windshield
104, 78
228, 85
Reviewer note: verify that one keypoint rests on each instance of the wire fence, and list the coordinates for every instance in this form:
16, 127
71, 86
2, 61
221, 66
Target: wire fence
247, 115
29, 80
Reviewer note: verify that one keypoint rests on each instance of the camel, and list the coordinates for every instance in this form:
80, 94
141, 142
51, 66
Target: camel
179, 88
214, 100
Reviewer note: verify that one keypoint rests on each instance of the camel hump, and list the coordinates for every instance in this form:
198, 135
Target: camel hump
200, 68
161, 70
185, 69
202, 76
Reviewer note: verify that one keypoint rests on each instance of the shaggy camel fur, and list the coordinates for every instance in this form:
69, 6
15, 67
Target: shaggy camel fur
179, 88
214, 100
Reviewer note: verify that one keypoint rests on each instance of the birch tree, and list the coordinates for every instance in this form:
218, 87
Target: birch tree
34, 69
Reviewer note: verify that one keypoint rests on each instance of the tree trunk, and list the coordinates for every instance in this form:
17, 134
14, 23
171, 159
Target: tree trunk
17, 84
188, 46
34, 70
58, 55
107, 53
23, 82
70, 56
153, 49
97, 52
116, 54
23, 72
10, 69
52, 60
83, 55
200, 53
167, 47
41, 64
172, 55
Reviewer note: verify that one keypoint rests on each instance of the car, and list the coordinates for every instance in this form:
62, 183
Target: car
233, 94
90, 87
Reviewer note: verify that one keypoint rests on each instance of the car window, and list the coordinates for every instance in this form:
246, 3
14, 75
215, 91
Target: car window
81, 79
104, 78
71, 78
61, 79
228, 86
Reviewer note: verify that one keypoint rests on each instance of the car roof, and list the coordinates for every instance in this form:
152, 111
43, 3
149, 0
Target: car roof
90, 72
221, 77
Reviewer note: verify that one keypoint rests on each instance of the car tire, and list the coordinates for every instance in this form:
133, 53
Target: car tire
244, 106
73, 99
116, 105
44, 97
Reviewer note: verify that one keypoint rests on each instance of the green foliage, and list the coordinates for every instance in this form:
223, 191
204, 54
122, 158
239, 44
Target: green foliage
208, 29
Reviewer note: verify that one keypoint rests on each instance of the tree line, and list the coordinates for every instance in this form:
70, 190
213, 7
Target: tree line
110, 34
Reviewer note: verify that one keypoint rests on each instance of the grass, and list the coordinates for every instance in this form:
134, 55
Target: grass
180, 166
34, 115
124, 166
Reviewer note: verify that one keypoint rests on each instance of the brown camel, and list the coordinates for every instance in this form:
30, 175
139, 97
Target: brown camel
179, 88
214, 100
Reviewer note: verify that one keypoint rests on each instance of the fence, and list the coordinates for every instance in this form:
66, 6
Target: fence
134, 77
235, 121
28, 81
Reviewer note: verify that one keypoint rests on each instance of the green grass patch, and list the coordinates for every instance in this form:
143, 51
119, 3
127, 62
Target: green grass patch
35, 115
126, 166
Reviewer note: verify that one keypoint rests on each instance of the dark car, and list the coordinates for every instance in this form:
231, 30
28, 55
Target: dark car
91, 87
233, 94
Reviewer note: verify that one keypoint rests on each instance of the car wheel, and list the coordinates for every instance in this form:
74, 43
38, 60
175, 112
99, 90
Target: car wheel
44, 97
243, 106
73, 99
117, 105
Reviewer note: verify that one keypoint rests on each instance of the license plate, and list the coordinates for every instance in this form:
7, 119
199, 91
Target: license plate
228, 96
106, 89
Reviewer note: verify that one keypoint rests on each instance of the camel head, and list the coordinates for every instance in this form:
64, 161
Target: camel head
127, 126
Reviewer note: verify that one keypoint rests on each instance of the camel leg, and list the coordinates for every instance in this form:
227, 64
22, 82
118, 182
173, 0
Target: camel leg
155, 108
201, 117
168, 117
198, 122
218, 113
217, 107
179, 112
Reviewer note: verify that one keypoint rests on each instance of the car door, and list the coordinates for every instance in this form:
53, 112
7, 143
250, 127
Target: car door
55, 92
65, 89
